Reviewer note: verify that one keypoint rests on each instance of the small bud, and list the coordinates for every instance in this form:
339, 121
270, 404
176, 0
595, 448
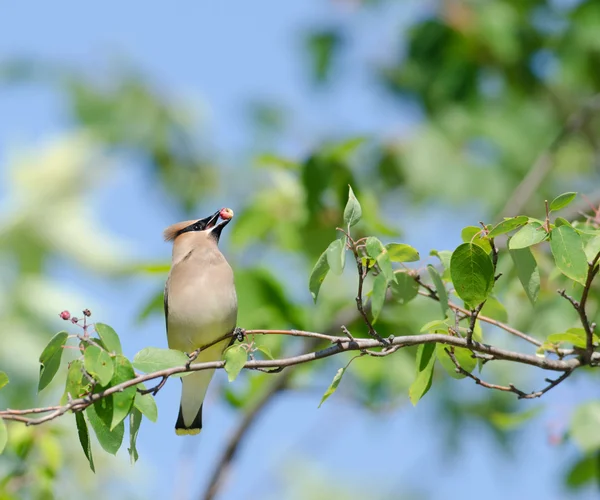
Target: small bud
74, 320
87, 313
66, 315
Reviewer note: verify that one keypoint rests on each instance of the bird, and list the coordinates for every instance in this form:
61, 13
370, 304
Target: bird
200, 306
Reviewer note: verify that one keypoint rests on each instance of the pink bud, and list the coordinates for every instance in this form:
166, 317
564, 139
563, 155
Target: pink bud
66, 315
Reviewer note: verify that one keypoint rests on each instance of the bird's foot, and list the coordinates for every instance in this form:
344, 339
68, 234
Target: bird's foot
192, 355
239, 333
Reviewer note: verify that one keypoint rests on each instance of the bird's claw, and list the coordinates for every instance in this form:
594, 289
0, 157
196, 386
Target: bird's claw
192, 355
239, 334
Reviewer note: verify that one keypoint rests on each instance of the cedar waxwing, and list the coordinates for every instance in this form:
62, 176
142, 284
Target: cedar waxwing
200, 306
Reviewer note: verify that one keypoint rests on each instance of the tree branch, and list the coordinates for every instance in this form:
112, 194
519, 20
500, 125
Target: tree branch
340, 345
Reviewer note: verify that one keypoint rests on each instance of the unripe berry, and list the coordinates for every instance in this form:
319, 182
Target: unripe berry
66, 315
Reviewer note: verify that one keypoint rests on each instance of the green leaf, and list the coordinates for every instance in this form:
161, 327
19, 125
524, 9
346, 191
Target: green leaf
463, 356
575, 336
3, 379
343, 149
378, 296
439, 288
444, 256
50, 359
584, 471
75, 379
122, 400
151, 268
84, 438
155, 305
559, 221
399, 252
425, 364
271, 160
494, 309
318, 275
99, 364
334, 385
508, 225
568, 253
444, 359
235, 358
146, 404
3, 435
353, 211
528, 235
562, 201
135, 419
475, 235
584, 426
512, 421
109, 440
527, 272
385, 265
472, 273
435, 326
153, 359
336, 256
478, 332
104, 406
322, 47
109, 337
265, 350
374, 247
592, 248
571, 338
404, 288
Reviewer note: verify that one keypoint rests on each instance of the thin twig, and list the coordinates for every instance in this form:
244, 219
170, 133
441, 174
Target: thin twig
507, 388
490, 321
591, 274
363, 271
153, 390
474, 313
580, 306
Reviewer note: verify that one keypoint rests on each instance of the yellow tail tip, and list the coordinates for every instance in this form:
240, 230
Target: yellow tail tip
187, 432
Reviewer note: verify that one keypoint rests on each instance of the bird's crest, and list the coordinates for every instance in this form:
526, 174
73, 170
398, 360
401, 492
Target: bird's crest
171, 232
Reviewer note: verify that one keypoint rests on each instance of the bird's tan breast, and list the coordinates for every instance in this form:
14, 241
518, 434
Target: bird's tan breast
202, 303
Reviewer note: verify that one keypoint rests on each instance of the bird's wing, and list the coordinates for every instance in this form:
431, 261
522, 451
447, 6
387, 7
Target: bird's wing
166, 294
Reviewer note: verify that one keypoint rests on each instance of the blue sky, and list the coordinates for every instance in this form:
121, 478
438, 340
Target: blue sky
221, 54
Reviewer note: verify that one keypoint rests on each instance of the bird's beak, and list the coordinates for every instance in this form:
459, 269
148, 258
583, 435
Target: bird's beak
212, 220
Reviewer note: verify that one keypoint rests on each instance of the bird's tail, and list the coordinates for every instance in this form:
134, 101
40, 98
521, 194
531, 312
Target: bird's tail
194, 428
193, 390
